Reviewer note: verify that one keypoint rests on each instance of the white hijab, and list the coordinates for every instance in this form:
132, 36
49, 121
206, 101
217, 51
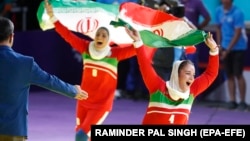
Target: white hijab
99, 54
173, 84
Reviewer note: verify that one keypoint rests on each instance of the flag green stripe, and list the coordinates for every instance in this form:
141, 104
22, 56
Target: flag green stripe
193, 37
85, 4
75, 7
40, 12
120, 22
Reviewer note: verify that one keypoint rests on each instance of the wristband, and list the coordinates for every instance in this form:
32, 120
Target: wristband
216, 52
138, 44
53, 19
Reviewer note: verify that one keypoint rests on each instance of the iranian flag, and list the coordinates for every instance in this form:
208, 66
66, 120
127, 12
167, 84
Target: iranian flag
157, 29
84, 17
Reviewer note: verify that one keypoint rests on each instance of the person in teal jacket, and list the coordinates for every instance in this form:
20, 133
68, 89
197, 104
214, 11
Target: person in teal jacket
17, 73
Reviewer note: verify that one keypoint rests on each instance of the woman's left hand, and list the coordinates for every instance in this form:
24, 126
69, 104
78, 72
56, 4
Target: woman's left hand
134, 34
211, 43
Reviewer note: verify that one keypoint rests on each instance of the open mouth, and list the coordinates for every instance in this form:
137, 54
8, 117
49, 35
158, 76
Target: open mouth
99, 43
188, 83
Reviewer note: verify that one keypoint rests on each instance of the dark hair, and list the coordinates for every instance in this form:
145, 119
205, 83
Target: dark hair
176, 8
184, 63
6, 28
104, 28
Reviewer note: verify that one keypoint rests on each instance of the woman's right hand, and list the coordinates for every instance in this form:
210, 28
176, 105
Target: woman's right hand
48, 8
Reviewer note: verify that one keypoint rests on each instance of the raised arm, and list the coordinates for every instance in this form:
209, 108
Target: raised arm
78, 43
150, 77
203, 81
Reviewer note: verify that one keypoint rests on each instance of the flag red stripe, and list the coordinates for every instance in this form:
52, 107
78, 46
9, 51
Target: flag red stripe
144, 15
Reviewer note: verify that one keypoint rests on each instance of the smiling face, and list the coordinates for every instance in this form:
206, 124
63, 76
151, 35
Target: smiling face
186, 75
101, 38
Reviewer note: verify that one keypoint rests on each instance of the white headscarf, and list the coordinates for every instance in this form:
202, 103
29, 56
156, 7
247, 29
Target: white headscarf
173, 84
98, 54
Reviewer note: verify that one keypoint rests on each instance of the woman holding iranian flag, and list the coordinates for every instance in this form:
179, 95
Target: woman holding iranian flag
171, 101
99, 74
